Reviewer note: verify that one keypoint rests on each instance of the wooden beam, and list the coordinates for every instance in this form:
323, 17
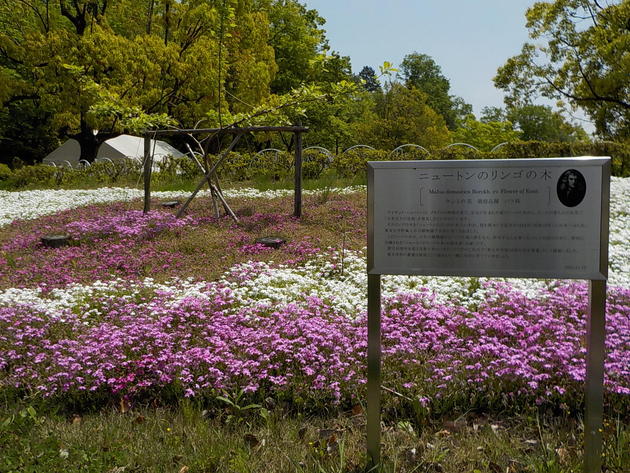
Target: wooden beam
247, 129
148, 166
208, 175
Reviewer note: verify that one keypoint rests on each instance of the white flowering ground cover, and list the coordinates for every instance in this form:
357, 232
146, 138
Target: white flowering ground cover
297, 328
33, 204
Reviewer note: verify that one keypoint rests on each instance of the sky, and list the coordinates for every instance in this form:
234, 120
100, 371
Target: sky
468, 39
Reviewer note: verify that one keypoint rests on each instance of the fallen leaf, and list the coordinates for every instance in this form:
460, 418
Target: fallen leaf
443, 433
357, 410
184, 469
251, 440
124, 405
563, 455
495, 468
332, 446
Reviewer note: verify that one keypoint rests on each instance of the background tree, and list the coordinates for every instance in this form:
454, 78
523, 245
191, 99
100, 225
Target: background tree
369, 80
484, 135
297, 40
402, 115
422, 72
536, 123
85, 66
580, 56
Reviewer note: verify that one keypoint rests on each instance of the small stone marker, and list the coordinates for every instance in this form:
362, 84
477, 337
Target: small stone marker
171, 204
271, 242
55, 241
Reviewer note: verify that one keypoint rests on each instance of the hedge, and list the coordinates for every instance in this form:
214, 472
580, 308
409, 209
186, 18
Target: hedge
277, 164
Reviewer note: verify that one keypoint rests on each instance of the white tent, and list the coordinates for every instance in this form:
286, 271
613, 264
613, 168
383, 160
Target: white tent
127, 146
68, 153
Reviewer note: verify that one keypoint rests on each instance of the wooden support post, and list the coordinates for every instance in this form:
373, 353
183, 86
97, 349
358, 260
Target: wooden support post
207, 177
148, 167
297, 200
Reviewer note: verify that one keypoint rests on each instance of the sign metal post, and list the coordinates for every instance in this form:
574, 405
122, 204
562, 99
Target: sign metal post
524, 218
374, 369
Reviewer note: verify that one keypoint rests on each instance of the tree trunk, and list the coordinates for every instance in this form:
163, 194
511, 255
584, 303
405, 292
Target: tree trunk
167, 20
90, 142
150, 16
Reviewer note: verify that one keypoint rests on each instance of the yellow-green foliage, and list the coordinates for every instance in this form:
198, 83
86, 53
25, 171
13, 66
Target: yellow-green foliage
280, 164
40, 175
5, 172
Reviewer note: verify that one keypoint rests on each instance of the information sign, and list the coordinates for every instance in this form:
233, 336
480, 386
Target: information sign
539, 218
529, 218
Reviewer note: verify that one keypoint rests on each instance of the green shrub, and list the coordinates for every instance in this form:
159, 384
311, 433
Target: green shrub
314, 163
37, 175
5, 172
352, 163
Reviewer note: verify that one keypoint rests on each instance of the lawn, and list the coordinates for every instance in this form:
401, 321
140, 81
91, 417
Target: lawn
156, 344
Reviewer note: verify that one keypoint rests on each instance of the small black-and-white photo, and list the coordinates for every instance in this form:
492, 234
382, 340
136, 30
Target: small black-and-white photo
571, 188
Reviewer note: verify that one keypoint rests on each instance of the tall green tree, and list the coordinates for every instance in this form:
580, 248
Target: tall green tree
536, 123
369, 80
484, 135
422, 72
86, 66
402, 115
297, 39
581, 55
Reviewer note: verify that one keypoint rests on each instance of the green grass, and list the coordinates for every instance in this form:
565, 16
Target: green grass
191, 437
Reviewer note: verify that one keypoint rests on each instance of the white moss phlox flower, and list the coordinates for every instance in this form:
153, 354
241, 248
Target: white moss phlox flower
27, 205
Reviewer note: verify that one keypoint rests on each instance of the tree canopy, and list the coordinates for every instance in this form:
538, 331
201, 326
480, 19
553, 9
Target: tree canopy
92, 69
402, 115
422, 72
536, 123
74, 67
580, 55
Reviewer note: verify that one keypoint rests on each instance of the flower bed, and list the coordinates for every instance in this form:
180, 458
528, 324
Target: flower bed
294, 329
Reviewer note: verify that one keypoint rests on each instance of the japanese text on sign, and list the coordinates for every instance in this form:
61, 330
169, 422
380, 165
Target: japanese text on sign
521, 218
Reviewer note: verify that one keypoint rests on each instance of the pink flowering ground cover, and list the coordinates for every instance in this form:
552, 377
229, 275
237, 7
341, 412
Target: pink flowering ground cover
118, 241
513, 348
509, 349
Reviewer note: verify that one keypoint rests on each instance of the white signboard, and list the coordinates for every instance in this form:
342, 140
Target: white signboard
539, 218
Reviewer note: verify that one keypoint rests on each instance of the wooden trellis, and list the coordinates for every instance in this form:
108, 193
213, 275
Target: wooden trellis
209, 174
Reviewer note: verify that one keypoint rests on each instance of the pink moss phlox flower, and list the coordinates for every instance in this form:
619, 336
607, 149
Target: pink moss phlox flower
512, 346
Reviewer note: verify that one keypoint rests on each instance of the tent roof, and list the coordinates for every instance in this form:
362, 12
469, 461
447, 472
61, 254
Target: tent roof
133, 147
69, 151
